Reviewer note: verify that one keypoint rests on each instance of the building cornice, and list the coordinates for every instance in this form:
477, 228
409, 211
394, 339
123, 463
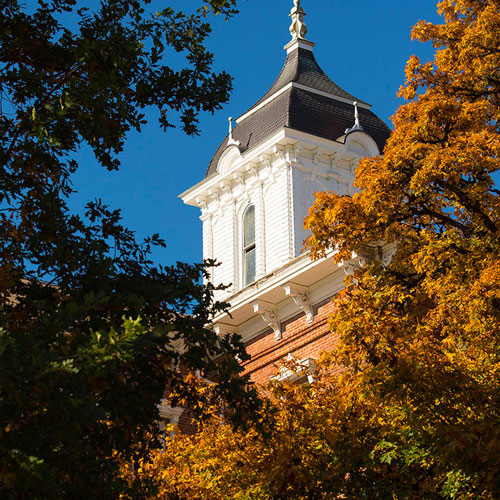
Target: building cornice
285, 145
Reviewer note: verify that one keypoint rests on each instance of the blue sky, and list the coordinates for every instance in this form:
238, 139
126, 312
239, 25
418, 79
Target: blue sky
362, 45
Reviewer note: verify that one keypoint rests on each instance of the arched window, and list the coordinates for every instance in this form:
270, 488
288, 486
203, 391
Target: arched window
249, 245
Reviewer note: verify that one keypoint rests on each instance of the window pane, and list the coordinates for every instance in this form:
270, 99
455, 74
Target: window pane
249, 226
250, 266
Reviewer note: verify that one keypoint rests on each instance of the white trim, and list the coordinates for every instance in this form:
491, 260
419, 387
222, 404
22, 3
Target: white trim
167, 412
297, 371
298, 44
200, 190
327, 94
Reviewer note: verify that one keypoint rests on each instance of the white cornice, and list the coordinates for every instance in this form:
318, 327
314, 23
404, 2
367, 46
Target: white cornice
321, 279
199, 191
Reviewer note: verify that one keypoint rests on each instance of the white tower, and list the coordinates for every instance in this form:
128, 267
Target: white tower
304, 135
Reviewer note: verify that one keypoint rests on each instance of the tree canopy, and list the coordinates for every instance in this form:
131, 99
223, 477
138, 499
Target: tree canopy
91, 330
415, 412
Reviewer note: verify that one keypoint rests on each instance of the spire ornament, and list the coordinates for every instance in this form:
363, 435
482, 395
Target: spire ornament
298, 29
231, 141
357, 125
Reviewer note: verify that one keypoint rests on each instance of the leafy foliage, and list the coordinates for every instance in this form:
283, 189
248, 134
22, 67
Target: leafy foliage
423, 333
91, 331
415, 410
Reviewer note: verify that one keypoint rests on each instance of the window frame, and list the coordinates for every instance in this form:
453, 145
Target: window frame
246, 249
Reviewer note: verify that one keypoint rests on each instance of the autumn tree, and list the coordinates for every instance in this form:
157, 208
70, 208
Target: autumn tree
90, 328
416, 411
423, 334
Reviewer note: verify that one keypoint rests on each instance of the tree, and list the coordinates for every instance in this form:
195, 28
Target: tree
415, 413
424, 332
90, 328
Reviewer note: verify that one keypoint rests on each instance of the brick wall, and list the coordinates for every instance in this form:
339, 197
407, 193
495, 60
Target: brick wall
300, 339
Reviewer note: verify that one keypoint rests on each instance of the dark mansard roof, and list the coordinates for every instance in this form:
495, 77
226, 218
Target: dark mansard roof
303, 107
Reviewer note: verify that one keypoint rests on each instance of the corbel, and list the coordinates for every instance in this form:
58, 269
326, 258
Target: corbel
355, 264
265, 161
299, 147
251, 168
240, 180
389, 254
213, 193
268, 314
279, 151
202, 202
222, 329
299, 295
345, 161
225, 186
316, 154
289, 153
333, 158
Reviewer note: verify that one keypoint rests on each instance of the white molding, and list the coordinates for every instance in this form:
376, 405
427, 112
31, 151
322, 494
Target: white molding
331, 96
167, 412
268, 313
297, 373
301, 299
366, 142
298, 44
221, 329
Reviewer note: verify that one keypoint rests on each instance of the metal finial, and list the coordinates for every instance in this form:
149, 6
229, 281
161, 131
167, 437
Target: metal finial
357, 125
231, 141
298, 29
356, 115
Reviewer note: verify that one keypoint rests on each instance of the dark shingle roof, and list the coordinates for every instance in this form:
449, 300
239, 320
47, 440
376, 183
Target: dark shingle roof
301, 67
302, 110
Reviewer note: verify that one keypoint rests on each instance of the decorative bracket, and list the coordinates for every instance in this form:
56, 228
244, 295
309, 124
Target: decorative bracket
252, 169
202, 202
279, 151
353, 265
301, 299
389, 254
297, 371
268, 313
225, 186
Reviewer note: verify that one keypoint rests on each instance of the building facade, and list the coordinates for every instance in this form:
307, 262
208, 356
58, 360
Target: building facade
305, 134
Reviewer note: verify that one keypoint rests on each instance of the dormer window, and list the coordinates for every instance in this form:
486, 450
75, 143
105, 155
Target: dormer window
249, 245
